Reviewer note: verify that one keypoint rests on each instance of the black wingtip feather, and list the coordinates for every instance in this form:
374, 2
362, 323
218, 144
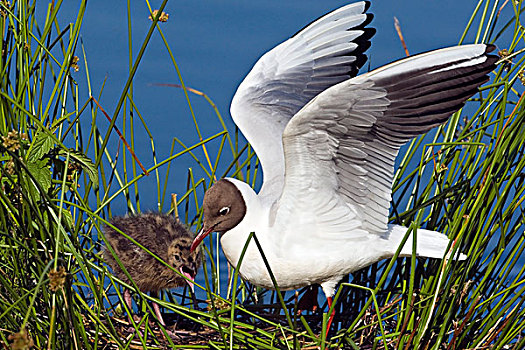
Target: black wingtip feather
366, 22
367, 5
363, 41
421, 100
364, 44
490, 48
407, 83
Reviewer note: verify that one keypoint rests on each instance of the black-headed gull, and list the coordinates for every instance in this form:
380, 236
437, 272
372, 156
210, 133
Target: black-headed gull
327, 142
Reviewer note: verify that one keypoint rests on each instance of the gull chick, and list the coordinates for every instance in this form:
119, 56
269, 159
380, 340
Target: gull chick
327, 141
165, 237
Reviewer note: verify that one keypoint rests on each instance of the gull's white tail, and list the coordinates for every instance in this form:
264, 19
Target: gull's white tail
430, 244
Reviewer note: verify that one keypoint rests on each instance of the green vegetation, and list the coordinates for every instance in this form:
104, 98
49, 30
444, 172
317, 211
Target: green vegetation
58, 181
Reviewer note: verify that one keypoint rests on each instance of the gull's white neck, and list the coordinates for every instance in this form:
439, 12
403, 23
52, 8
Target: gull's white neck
234, 240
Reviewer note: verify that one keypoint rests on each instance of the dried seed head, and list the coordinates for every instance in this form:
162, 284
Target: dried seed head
11, 141
21, 340
10, 167
163, 16
74, 63
57, 278
504, 54
521, 77
220, 304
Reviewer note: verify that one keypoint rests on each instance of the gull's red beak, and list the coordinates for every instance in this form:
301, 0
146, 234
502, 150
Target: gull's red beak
200, 236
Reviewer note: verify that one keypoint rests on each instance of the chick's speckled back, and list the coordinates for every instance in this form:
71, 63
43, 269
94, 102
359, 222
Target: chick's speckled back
165, 237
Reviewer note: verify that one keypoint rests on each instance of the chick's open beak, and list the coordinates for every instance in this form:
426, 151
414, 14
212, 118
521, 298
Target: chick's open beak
190, 277
200, 236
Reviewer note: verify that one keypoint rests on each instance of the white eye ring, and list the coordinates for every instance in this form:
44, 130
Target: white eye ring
224, 210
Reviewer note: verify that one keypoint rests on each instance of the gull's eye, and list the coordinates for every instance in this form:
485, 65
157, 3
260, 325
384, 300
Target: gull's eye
224, 211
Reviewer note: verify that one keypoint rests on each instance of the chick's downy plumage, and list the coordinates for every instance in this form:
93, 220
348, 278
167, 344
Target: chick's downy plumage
165, 237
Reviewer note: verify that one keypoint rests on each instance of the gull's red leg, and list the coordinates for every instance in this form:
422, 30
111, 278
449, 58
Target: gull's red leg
329, 300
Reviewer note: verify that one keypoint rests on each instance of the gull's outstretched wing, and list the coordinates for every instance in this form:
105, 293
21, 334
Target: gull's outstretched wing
342, 145
324, 53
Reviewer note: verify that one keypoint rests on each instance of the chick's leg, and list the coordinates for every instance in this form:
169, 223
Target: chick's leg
131, 318
156, 308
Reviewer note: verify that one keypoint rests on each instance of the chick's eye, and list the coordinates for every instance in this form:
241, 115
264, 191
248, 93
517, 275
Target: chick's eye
177, 257
224, 211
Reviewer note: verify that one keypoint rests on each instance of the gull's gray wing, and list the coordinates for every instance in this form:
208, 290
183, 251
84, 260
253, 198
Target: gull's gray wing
341, 146
324, 53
